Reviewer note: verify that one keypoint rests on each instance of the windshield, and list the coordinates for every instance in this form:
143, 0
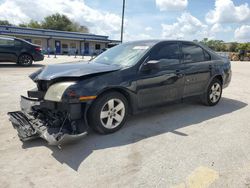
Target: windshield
123, 55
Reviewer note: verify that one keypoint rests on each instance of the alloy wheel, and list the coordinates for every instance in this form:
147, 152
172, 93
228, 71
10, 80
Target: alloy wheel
25, 60
215, 92
112, 113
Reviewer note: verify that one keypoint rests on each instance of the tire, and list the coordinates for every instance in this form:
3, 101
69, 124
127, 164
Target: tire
108, 113
213, 94
25, 60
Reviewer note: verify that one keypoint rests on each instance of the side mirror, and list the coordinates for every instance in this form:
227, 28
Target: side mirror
151, 65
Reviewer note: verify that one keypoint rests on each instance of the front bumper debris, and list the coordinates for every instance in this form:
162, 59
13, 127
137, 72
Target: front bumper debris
21, 123
56, 127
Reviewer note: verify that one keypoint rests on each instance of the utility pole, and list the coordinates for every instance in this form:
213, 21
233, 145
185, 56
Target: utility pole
123, 9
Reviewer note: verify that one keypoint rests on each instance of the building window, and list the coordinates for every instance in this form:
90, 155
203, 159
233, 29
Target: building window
97, 46
65, 48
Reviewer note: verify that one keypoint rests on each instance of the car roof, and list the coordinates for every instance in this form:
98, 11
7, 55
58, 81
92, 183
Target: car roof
7, 38
156, 41
15, 38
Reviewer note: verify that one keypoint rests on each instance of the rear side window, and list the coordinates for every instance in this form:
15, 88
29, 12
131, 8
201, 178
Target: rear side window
18, 43
6, 42
193, 53
168, 53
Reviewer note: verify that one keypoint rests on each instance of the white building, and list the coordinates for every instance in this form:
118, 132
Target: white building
60, 42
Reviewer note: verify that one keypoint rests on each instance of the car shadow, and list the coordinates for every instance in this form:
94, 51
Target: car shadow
141, 126
14, 65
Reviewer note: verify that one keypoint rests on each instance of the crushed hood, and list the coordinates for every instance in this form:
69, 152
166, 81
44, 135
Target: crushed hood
65, 70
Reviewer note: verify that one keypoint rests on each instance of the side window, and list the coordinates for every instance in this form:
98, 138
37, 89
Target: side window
18, 43
168, 53
192, 53
6, 42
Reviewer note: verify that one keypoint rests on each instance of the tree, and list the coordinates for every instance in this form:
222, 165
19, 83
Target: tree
57, 22
216, 45
82, 29
5, 22
205, 40
61, 22
75, 27
31, 24
243, 46
232, 47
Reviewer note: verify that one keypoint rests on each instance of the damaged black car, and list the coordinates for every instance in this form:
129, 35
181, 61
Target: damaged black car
70, 98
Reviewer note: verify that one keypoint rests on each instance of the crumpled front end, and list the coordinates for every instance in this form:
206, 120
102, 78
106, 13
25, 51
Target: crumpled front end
56, 109
57, 123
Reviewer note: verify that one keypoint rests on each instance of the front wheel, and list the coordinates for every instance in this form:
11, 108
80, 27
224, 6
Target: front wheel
108, 113
25, 60
214, 92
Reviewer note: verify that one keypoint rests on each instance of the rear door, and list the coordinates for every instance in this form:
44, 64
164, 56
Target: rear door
198, 68
7, 50
166, 84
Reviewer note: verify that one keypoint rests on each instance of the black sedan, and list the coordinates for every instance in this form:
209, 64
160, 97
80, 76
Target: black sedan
19, 51
126, 79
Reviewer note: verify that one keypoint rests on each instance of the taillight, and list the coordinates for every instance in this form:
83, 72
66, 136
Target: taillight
38, 49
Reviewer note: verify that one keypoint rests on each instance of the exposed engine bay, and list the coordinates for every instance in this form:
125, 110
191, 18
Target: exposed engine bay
55, 126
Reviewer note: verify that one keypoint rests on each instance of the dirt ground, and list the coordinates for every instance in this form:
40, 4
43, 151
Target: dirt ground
182, 145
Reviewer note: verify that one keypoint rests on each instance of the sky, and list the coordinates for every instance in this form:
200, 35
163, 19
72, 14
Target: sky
227, 20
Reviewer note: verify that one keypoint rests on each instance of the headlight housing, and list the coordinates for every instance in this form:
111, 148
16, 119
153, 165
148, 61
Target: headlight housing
56, 91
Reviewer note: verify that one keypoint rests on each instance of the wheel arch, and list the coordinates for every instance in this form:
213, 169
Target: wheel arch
216, 76
219, 77
127, 94
122, 91
205, 95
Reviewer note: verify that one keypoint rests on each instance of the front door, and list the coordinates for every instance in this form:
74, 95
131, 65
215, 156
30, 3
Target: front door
198, 68
166, 84
58, 46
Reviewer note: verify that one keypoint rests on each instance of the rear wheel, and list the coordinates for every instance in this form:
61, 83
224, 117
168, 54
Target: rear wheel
214, 92
25, 60
108, 113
